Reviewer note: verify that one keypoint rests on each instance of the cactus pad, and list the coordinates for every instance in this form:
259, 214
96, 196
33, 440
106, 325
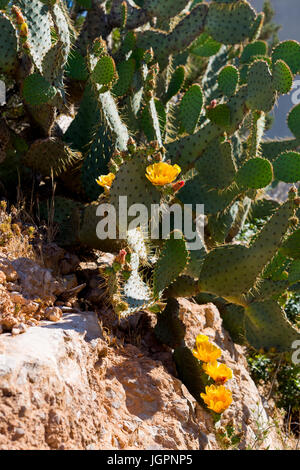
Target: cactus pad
170, 329
255, 173
50, 155
190, 108
289, 52
171, 263
9, 44
267, 327
254, 49
261, 96
221, 17
39, 24
287, 167
37, 90
228, 80
104, 72
294, 121
282, 76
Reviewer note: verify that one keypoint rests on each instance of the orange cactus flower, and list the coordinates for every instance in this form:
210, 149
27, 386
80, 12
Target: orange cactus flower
217, 398
220, 373
162, 173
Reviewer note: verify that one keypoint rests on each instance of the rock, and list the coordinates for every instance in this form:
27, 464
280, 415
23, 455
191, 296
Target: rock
53, 314
78, 391
52, 256
69, 263
36, 281
8, 269
2, 277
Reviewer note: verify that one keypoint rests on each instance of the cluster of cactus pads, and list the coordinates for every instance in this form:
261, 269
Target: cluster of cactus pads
185, 82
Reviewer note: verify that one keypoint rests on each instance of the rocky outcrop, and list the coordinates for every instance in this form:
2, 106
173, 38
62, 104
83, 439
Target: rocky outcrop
74, 385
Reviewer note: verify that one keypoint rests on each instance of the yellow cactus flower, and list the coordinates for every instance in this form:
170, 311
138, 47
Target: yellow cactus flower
217, 398
220, 373
24, 30
202, 339
206, 352
162, 173
106, 180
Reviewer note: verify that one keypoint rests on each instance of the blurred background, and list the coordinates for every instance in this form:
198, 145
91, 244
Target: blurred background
287, 14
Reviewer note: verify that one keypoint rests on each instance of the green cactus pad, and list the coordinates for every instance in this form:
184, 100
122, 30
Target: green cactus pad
87, 234
53, 64
254, 49
171, 262
217, 156
113, 119
287, 167
205, 46
131, 182
294, 272
261, 95
268, 327
175, 84
222, 16
214, 200
9, 44
153, 120
289, 52
50, 155
85, 3
190, 108
125, 71
257, 27
273, 148
37, 91
262, 209
186, 150
62, 30
39, 24
282, 76
268, 289
170, 329
190, 371
166, 9
228, 80
184, 286
220, 115
294, 121
233, 317
225, 272
76, 67
44, 115
231, 270
188, 29
291, 246
104, 72
276, 270
194, 266
82, 129
255, 174
3, 4
96, 161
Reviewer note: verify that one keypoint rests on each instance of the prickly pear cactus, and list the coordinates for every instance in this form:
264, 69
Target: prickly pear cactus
142, 93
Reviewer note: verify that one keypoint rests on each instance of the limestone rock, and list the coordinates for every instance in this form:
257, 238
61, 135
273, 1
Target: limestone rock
65, 385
